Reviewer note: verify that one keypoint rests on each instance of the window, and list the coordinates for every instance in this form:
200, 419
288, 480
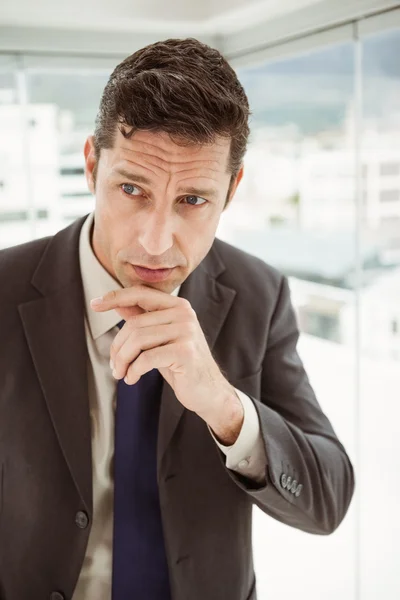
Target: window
304, 226
304, 123
390, 195
72, 171
379, 359
56, 124
390, 169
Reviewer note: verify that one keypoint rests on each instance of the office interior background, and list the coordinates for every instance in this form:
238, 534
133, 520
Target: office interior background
320, 200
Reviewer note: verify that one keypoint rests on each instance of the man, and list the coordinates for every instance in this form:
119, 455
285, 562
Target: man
150, 388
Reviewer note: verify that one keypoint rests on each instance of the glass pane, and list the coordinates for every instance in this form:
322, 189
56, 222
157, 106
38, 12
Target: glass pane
15, 224
62, 109
295, 209
380, 318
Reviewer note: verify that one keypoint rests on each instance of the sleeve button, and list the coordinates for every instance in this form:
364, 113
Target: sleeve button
298, 491
81, 519
283, 480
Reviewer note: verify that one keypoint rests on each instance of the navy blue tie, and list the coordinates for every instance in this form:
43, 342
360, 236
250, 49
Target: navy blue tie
140, 570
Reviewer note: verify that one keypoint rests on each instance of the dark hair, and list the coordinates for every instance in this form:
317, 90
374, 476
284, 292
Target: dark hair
182, 87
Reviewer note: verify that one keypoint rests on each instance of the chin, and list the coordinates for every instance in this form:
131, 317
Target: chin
162, 286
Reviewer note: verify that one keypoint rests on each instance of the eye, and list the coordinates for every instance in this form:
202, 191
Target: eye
192, 200
129, 188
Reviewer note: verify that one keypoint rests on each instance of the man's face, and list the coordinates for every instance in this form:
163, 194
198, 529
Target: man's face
158, 204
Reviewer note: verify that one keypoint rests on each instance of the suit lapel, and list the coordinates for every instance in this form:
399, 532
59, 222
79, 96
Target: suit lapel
54, 329
55, 332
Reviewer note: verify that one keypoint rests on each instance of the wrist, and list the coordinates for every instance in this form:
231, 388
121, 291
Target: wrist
226, 422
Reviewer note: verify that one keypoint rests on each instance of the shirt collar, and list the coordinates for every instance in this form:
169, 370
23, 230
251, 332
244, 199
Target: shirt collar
97, 282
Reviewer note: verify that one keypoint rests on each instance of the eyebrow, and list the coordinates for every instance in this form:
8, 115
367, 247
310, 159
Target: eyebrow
192, 190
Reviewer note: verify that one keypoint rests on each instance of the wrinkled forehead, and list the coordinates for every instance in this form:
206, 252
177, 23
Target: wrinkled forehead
158, 147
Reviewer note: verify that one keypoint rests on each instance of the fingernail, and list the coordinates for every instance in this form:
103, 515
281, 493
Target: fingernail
96, 301
111, 365
114, 374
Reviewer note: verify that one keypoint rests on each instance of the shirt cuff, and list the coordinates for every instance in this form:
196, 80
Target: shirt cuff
247, 455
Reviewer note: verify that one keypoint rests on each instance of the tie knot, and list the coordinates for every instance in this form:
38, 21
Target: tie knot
121, 324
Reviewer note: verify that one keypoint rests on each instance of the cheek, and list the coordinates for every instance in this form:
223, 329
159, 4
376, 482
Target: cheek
197, 241
110, 226
115, 217
201, 231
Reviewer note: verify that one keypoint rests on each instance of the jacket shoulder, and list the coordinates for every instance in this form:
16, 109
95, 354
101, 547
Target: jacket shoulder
246, 271
17, 266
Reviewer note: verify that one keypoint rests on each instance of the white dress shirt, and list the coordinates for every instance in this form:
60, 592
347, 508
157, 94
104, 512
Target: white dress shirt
246, 456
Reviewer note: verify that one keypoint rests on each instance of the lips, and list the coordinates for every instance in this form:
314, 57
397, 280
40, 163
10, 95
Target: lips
152, 275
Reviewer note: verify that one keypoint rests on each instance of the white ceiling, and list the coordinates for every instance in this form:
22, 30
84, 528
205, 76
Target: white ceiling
206, 16
119, 27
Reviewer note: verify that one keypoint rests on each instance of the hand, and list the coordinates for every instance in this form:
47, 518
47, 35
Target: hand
162, 332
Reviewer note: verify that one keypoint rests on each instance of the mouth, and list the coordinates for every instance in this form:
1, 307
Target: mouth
152, 275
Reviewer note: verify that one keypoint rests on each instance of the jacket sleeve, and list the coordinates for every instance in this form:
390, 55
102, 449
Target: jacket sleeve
309, 477
247, 455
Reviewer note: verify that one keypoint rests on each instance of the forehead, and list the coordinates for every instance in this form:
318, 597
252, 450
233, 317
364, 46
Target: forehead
159, 149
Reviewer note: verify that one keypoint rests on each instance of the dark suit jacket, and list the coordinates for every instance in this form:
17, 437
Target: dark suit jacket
244, 308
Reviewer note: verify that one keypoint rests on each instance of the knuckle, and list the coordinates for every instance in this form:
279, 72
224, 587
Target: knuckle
110, 296
189, 349
187, 308
185, 303
124, 355
190, 328
144, 359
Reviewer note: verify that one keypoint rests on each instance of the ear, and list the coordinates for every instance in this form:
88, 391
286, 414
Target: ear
90, 163
234, 186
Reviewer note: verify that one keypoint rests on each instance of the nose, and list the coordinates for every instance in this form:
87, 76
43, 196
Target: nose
156, 236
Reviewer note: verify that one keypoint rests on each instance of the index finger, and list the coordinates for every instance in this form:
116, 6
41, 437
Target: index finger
147, 298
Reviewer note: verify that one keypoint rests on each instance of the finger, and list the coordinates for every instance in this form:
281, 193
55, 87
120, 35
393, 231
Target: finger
157, 317
140, 341
145, 297
156, 358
